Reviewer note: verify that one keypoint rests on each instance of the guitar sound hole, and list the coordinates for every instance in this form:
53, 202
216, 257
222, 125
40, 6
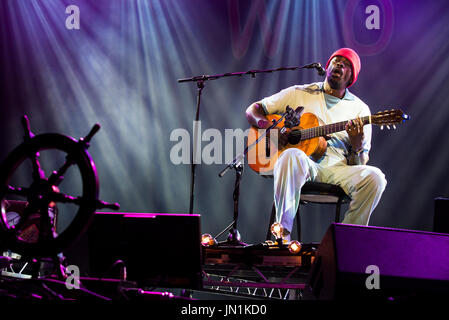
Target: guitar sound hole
294, 137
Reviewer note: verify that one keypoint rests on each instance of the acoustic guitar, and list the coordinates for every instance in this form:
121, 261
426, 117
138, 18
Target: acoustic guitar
308, 136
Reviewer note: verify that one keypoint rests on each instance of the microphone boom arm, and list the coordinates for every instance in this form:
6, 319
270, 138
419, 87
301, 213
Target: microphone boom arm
253, 73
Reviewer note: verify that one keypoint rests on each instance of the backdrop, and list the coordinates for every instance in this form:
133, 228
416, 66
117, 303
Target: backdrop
68, 64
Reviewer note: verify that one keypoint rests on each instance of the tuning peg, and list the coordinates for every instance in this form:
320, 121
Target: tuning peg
381, 127
394, 127
388, 127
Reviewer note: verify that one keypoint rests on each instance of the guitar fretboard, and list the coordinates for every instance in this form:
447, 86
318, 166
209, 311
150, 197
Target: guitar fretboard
326, 129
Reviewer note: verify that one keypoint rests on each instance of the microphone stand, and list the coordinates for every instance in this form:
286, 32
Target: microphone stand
234, 235
200, 80
237, 164
200, 86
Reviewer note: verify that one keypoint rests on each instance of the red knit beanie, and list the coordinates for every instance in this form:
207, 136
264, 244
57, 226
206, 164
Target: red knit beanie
353, 57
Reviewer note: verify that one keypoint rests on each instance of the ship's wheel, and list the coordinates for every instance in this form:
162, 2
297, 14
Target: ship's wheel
48, 179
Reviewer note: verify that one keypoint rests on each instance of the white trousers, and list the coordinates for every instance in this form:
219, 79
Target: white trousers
363, 183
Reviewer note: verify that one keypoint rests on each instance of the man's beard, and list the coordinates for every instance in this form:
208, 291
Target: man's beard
335, 84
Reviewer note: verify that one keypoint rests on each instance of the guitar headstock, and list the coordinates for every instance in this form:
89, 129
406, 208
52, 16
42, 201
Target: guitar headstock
389, 117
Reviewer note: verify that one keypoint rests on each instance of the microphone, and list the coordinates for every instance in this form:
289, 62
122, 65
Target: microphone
318, 67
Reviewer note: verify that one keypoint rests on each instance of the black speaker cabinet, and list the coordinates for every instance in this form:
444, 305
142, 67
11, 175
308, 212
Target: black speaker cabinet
159, 250
411, 264
441, 217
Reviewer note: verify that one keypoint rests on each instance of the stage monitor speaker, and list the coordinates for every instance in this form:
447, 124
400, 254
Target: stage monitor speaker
441, 217
359, 262
158, 250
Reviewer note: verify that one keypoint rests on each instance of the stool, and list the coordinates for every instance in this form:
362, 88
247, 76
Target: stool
316, 192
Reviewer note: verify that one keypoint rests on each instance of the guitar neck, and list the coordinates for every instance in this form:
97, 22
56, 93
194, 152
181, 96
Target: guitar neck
328, 129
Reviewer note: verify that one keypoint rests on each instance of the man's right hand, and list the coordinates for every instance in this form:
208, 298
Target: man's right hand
256, 117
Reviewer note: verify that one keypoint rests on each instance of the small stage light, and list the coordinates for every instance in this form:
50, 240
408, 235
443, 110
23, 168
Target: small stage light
294, 246
207, 240
277, 230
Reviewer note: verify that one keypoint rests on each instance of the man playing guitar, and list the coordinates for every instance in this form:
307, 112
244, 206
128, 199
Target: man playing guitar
344, 162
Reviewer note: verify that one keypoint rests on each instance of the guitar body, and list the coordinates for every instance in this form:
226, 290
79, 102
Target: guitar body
309, 136
263, 156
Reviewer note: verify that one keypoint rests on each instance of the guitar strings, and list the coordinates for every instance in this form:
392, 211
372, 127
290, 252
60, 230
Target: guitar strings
323, 130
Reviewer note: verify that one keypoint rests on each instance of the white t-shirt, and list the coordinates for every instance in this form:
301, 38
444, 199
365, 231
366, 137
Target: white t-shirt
312, 98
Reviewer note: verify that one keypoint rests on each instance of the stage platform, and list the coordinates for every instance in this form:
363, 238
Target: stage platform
255, 272
262, 271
